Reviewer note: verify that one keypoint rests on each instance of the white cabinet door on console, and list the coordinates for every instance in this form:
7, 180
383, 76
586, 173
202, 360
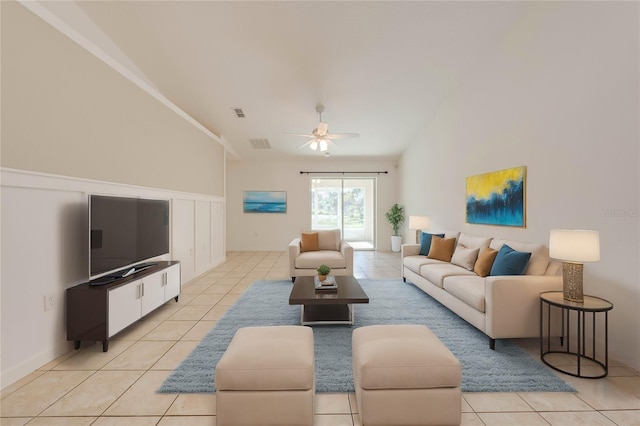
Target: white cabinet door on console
152, 292
124, 306
172, 282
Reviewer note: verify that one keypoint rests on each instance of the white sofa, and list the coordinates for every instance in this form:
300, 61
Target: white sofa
331, 251
502, 307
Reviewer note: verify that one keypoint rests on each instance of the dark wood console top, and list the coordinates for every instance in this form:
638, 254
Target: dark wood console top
159, 265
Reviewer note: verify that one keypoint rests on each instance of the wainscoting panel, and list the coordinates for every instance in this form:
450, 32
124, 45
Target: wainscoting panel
45, 251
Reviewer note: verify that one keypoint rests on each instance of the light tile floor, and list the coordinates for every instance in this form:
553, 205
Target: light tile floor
89, 387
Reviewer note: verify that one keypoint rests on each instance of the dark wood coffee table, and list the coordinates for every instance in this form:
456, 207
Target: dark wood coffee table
327, 308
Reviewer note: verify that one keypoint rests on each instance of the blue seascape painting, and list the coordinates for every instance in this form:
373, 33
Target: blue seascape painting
497, 198
265, 202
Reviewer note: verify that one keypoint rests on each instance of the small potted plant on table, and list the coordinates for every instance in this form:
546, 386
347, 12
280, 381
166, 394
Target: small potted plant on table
323, 271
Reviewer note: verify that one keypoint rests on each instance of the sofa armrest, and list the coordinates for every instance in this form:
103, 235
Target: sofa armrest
409, 250
294, 252
347, 252
512, 304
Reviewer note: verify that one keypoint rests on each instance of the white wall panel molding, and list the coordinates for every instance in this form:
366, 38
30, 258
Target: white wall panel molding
30, 179
45, 251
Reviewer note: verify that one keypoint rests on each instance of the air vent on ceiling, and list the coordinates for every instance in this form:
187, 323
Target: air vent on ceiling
260, 143
238, 112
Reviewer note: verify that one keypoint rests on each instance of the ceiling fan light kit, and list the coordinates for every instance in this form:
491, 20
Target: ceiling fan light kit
321, 138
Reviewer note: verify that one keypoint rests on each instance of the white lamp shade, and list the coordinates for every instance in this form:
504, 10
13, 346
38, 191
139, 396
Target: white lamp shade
574, 245
323, 145
418, 222
314, 145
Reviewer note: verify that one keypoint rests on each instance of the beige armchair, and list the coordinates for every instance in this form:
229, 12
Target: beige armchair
330, 249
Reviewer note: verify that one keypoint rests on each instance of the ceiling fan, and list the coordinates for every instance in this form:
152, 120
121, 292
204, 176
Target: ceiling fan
320, 136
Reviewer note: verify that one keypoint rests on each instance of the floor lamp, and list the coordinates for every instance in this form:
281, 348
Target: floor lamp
418, 223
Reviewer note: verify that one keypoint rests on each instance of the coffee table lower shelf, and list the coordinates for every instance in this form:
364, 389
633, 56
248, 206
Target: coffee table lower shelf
327, 314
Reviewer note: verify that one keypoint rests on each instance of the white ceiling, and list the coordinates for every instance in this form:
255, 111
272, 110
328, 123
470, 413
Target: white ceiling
381, 69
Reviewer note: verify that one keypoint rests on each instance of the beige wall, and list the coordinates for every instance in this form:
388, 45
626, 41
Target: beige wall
71, 126
65, 112
256, 231
560, 96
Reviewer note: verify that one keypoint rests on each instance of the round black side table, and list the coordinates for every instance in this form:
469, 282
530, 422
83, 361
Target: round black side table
591, 304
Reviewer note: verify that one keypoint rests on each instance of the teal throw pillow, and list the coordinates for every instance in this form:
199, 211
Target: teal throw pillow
510, 262
425, 242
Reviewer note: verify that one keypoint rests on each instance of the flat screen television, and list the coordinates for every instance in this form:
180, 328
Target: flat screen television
125, 232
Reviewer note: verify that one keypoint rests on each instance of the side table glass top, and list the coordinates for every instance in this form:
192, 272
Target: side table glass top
591, 303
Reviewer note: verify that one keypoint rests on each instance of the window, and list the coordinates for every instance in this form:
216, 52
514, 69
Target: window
346, 204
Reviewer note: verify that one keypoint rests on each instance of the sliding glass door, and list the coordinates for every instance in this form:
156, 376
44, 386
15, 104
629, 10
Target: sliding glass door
346, 204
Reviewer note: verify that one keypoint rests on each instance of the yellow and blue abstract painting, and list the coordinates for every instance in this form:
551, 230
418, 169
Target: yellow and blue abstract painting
264, 202
497, 198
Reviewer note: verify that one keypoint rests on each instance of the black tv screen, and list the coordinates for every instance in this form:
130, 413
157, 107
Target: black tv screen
126, 231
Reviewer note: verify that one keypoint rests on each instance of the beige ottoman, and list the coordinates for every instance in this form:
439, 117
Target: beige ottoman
267, 377
404, 375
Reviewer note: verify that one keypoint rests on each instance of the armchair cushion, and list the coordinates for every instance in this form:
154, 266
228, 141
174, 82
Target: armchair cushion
329, 239
313, 259
309, 241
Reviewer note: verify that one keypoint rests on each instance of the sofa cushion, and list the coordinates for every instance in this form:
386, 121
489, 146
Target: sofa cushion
425, 242
309, 241
539, 254
485, 262
473, 241
437, 272
469, 289
329, 239
510, 262
313, 259
465, 257
415, 262
451, 234
441, 248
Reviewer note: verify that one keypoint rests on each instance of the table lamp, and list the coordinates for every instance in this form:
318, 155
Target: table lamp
573, 248
418, 223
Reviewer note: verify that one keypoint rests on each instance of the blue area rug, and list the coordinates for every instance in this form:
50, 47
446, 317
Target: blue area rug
507, 369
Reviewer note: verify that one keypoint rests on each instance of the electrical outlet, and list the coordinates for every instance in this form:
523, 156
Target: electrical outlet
49, 302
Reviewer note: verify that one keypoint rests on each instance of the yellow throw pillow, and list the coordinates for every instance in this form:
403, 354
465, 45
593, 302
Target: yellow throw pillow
309, 241
485, 261
441, 248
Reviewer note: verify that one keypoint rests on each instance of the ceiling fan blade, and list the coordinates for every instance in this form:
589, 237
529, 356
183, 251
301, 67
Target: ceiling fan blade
322, 129
300, 134
342, 135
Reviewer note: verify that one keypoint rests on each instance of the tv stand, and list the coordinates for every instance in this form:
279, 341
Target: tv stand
98, 312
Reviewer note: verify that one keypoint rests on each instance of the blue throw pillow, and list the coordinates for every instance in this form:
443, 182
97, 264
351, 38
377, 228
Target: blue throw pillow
510, 262
425, 242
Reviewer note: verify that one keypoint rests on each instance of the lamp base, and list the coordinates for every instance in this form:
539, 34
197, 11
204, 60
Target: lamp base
572, 281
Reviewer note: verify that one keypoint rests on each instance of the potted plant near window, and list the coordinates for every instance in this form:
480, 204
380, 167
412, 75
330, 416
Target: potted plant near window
323, 271
395, 216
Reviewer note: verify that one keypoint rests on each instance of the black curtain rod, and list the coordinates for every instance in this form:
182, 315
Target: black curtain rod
344, 173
